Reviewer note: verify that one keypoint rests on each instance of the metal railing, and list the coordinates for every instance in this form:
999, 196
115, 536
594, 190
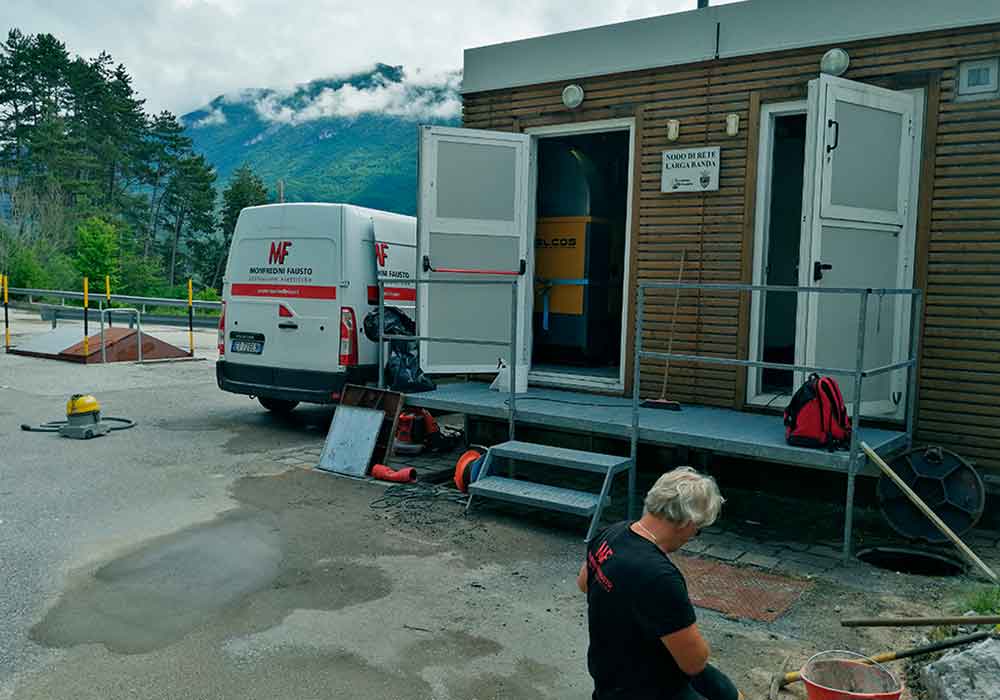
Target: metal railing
858, 372
139, 302
511, 343
138, 330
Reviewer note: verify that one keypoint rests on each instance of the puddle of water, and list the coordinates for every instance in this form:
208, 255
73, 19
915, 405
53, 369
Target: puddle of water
155, 596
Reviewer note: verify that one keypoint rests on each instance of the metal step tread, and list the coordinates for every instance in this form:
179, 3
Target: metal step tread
560, 456
531, 493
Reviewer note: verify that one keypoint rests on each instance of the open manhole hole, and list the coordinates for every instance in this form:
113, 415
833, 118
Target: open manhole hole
912, 561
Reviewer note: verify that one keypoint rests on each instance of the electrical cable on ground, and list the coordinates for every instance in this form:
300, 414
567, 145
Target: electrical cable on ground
53, 426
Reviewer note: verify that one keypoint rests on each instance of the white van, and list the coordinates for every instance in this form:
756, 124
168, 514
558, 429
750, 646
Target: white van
299, 281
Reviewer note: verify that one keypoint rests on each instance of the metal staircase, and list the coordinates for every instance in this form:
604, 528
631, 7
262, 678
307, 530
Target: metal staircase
583, 503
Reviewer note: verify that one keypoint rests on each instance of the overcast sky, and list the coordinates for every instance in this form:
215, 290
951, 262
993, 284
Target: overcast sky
182, 53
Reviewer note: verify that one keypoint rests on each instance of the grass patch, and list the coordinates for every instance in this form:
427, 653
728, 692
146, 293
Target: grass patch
984, 601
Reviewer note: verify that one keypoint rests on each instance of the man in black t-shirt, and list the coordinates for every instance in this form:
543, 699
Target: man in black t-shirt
644, 642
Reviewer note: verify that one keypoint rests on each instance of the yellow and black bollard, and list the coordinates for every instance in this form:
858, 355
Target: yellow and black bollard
190, 318
86, 328
107, 294
6, 318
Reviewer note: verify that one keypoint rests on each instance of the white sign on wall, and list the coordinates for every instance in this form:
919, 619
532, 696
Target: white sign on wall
690, 170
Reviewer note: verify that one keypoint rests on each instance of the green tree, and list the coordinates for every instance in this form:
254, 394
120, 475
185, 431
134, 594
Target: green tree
189, 206
245, 189
97, 251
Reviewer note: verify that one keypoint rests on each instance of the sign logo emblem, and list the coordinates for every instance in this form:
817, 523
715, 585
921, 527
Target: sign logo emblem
381, 253
279, 250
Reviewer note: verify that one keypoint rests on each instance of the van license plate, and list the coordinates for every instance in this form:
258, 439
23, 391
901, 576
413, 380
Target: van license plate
252, 347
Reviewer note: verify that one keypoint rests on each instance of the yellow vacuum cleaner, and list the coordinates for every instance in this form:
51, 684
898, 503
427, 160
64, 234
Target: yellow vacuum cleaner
83, 420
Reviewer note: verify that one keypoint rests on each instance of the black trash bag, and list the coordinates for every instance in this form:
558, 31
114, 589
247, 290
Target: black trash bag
396, 323
403, 373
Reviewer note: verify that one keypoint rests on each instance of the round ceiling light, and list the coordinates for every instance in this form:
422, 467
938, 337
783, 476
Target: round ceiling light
572, 96
835, 62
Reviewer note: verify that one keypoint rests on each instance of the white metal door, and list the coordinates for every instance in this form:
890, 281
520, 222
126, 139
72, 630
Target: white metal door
859, 230
474, 215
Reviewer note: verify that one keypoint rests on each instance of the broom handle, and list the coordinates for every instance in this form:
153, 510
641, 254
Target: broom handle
673, 321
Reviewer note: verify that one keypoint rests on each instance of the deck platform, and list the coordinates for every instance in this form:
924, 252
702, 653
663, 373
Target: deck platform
721, 431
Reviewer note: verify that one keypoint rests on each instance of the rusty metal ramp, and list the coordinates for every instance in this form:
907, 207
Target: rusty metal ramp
120, 345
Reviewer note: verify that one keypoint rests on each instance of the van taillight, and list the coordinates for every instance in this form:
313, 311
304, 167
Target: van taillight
222, 331
348, 337
284, 311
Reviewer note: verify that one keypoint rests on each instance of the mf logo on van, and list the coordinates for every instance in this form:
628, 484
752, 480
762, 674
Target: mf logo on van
381, 253
279, 250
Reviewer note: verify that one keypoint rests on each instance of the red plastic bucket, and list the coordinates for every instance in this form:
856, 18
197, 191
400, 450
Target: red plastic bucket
844, 675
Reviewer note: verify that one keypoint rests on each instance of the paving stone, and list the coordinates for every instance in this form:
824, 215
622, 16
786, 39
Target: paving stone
809, 560
695, 547
761, 560
823, 551
725, 552
711, 538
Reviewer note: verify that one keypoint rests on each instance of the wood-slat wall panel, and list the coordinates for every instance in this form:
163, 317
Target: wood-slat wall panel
958, 248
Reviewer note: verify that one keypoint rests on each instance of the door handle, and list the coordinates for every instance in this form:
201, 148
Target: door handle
818, 268
836, 134
289, 325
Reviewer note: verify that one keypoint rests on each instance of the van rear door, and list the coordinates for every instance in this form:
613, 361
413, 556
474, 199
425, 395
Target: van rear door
284, 274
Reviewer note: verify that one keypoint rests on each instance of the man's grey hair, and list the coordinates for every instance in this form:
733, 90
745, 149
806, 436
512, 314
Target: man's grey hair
685, 496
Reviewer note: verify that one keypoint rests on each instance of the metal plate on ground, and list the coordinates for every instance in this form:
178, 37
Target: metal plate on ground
351, 440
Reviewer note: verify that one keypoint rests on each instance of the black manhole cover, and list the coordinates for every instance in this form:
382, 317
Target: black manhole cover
912, 561
948, 484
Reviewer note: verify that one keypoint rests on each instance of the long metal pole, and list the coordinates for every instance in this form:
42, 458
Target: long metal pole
852, 464
86, 330
513, 359
916, 328
6, 318
381, 332
637, 358
138, 326
104, 351
107, 294
190, 318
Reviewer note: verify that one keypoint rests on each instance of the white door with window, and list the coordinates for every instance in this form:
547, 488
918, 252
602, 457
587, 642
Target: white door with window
475, 222
858, 231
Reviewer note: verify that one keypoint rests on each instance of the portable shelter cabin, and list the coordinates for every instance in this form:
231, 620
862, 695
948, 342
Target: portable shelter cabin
738, 153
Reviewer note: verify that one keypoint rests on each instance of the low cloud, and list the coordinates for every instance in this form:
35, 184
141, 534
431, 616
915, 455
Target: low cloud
215, 117
417, 96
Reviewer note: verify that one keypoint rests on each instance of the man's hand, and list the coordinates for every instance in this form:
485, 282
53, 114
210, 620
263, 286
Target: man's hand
581, 578
689, 649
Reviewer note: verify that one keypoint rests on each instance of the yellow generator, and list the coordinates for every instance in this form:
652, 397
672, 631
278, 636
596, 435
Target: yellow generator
573, 271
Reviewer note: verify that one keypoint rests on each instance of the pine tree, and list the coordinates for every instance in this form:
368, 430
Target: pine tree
189, 205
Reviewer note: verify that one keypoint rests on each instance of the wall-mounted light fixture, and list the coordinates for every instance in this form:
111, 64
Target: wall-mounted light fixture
834, 62
732, 124
572, 96
673, 129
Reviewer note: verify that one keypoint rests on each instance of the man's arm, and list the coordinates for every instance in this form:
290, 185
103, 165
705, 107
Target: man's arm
689, 649
581, 578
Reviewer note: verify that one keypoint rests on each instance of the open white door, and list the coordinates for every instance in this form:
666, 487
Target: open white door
860, 231
475, 217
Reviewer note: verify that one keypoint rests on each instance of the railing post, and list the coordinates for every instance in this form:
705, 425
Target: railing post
381, 332
634, 441
513, 359
138, 326
852, 465
104, 351
916, 328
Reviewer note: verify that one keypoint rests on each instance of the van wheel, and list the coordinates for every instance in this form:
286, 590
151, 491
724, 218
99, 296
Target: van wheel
277, 405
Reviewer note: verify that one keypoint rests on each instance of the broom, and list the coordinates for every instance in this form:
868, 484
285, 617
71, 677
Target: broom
663, 402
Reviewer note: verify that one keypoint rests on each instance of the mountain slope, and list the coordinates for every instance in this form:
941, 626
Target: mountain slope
351, 139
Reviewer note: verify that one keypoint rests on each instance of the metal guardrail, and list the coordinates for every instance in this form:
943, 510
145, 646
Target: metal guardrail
511, 343
859, 372
141, 302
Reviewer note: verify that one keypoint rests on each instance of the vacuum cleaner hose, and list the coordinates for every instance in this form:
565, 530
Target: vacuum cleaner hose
53, 425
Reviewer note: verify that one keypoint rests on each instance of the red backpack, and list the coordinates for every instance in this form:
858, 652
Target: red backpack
817, 416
